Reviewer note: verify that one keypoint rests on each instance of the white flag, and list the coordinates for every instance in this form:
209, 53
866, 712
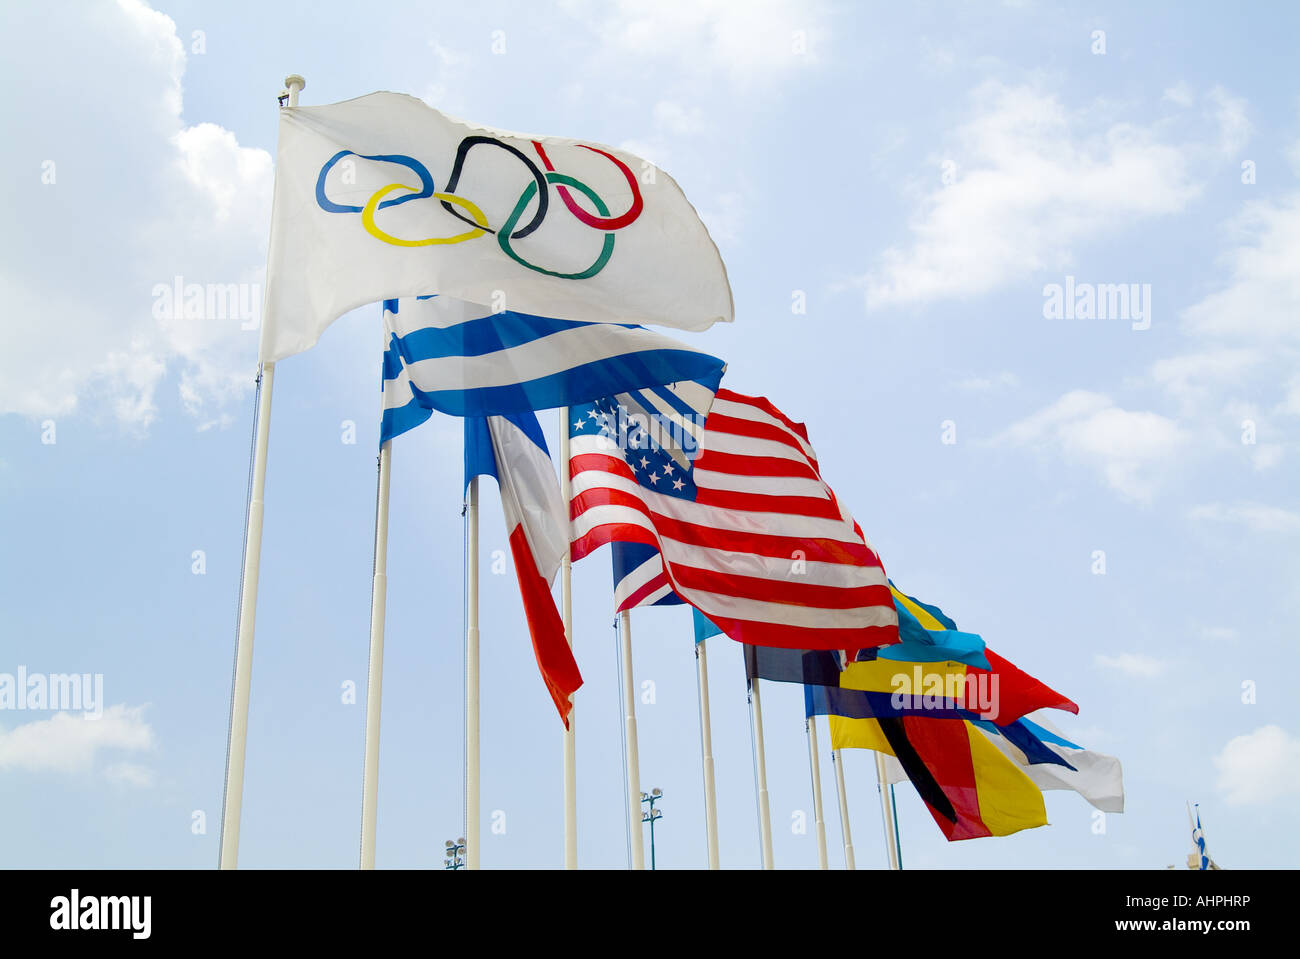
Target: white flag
383, 197
1096, 777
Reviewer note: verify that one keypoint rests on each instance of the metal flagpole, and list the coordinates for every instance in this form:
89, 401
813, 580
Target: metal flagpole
706, 753
838, 759
760, 772
898, 843
233, 798
566, 599
886, 810
633, 756
375, 680
472, 858
810, 724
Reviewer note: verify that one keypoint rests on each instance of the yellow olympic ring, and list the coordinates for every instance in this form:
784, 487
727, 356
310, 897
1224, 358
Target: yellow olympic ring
368, 218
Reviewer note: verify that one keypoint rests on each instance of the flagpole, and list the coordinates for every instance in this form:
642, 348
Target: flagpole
760, 771
566, 598
232, 800
375, 679
810, 724
886, 810
706, 754
837, 759
472, 804
633, 755
898, 842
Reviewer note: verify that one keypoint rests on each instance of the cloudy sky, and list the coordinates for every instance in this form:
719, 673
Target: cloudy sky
900, 195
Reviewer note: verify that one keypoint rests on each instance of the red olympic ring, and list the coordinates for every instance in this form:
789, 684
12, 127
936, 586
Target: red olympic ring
599, 222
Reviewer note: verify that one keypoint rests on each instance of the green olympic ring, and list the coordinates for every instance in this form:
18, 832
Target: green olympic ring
503, 235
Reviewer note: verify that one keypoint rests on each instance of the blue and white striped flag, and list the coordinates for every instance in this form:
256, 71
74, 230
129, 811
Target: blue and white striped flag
640, 580
1198, 838
639, 577
461, 358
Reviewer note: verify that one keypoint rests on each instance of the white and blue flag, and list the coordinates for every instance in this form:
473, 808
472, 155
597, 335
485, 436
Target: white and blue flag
1053, 762
463, 359
1198, 838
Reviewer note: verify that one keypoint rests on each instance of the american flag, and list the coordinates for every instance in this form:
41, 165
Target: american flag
748, 531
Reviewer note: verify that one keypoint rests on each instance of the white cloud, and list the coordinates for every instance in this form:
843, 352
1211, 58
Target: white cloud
1254, 516
1129, 449
1132, 664
1266, 455
1193, 378
1229, 114
1290, 405
1180, 94
137, 198
1261, 301
987, 384
70, 742
725, 217
449, 70
1037, 180
1219, 634
130, 774
678, 119
1259, 767
750, 44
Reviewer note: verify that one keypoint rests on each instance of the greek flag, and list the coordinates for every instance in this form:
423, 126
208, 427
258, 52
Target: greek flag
464, 359
1201, 857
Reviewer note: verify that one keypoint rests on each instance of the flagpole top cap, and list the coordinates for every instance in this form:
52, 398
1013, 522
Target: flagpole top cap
294, 80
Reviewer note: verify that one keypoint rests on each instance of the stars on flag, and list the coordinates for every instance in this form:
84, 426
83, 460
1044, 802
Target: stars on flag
653, 467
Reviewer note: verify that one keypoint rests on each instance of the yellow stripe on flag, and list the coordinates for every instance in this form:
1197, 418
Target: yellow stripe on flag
858, 734
920, 612
917, 679
1009, 800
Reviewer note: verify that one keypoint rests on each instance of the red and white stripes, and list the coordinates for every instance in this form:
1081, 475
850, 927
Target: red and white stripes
763, 547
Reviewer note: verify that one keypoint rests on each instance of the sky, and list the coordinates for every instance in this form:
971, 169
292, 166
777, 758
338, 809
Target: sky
901, 194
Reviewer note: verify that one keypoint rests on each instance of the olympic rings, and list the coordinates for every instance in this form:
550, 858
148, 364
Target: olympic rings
603, 222
426, 181
538, 181
471, 214
607, 250
368, 218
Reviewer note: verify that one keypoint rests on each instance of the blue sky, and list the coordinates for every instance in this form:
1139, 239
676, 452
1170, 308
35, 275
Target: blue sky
918, 174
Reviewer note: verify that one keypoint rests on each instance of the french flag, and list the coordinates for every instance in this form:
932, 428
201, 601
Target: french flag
512, 449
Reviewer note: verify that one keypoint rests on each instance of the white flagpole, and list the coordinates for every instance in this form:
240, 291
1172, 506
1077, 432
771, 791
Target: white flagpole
706, 753
887, 810
760, 770
375, 680
233, 798
472, 858
810, 724
838, 759
633, 755
566, 599
893, 813
232, 801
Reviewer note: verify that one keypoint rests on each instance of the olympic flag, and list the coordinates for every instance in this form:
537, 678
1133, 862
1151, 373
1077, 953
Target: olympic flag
383, 196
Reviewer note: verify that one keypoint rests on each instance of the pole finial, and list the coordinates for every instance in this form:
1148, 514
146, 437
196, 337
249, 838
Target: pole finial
293, 85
